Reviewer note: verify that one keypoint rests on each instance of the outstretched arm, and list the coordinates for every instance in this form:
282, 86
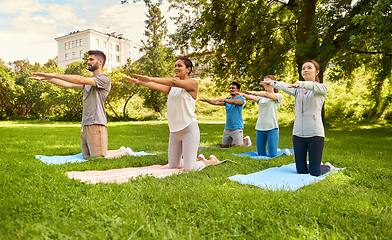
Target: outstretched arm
317, 87
280, 85
262, 94
218, 102
74, 79
248, 95
151, 85
58, 82
189, 84
233, 101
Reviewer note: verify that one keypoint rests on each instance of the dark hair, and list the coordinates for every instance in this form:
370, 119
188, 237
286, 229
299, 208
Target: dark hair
188, 63
274, 79
317, 66
236, 84
99, 54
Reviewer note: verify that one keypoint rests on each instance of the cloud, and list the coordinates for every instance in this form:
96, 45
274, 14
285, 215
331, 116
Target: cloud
18, 46
17, 6
28, 27
127, 19
65, 15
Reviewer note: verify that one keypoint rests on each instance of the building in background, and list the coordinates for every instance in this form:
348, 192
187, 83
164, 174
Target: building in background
117, 49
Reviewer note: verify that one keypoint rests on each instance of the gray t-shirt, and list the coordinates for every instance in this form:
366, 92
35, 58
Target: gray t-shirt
94, 101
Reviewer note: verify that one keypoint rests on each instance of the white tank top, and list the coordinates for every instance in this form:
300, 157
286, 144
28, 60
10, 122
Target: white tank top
180, 109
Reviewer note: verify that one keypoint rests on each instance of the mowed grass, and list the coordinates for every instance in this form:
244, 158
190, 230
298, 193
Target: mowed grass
38, 201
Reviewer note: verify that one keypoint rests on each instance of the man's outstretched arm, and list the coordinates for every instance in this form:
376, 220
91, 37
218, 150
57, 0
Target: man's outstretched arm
73, 79
219, 102
59, 82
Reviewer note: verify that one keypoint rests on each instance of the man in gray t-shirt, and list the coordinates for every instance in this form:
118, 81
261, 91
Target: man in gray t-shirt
94, 101
94, 139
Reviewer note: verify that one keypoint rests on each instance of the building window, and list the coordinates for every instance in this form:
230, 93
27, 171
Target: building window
77, 42
66, 57
73, 43
66, 44
104, 44
129, 45
81, 43
118, 58
117, 47
111, 47
73, 55
81, 53
69, 45
97, 42
129, 54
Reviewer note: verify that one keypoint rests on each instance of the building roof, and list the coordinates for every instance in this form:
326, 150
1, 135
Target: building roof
77, 32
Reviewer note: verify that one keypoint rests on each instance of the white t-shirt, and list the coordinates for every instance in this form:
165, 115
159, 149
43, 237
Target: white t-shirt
180, 109
268, 119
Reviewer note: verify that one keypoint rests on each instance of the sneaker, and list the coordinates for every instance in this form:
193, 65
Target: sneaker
201, 156
130, 152
122, 149
249, 143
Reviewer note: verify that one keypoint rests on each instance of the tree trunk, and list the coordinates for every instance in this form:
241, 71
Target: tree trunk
112, 109
305, 21
125, 105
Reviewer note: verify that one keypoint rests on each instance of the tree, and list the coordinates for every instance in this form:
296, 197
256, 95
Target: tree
8, 91
159, 59
254, 38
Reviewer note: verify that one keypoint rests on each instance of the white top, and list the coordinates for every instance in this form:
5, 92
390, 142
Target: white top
180, 109
268, 119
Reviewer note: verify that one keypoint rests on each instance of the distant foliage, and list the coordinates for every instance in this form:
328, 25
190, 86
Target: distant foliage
31, 99
251, 39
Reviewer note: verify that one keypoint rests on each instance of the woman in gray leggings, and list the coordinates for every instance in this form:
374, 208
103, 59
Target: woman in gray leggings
184, 130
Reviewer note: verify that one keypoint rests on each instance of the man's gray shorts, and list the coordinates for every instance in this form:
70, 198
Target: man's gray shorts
229, 135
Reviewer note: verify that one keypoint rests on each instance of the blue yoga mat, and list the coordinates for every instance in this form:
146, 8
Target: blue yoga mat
280, 178
73, 158
254, 154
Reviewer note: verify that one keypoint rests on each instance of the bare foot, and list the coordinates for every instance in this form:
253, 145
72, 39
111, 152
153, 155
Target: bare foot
328, 164
201, 158
214, 160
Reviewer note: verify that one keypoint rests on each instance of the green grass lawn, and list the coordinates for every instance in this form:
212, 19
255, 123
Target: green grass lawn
38, 201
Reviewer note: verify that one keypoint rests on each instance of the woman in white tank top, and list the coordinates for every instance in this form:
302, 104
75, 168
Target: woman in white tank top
184, 131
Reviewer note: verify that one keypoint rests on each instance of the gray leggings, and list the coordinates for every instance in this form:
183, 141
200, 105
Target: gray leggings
185, 143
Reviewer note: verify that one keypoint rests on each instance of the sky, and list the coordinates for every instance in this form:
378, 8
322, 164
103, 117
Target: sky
28, 27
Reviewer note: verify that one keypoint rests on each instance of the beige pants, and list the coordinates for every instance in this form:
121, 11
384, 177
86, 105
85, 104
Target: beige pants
94, 140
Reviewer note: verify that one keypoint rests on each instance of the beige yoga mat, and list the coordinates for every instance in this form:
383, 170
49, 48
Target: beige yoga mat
124, 174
